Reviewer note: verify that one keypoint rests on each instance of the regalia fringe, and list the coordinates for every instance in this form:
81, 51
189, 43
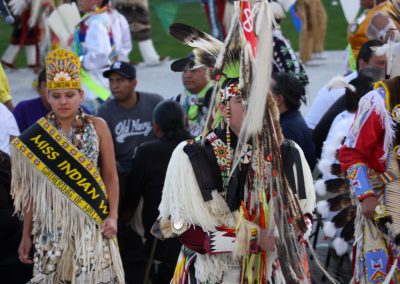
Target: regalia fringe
31, 190
288, 220
189, 207
211, 268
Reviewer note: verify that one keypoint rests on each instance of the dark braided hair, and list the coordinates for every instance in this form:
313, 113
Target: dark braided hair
170, 117
290, 88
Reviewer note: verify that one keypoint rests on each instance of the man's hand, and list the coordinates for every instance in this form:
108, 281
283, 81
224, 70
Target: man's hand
368, 206
109, 227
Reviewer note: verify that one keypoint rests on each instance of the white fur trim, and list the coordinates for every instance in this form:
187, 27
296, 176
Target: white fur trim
338, 139
331, 151
324, 165
323, 208
340, 245
329, 229
320, 187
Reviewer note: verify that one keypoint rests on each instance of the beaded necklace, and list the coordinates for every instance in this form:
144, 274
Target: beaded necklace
76, 135
223, 153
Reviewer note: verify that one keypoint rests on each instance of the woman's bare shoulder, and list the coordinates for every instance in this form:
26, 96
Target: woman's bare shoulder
100, 125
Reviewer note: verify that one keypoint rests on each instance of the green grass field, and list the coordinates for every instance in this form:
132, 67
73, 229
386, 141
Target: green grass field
193, 14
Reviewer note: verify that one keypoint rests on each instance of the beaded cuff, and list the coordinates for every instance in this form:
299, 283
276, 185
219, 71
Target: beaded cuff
359, 181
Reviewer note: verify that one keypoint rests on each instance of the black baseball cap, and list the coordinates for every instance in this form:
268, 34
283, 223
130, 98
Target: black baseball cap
183, 64
123, 68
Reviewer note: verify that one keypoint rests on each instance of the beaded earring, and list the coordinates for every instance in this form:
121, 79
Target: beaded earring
228, 134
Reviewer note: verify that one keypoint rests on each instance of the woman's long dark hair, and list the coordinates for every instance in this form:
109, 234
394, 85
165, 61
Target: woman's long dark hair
171, 119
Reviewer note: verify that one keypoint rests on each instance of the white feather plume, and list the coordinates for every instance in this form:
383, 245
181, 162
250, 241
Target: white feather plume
324, 165
329, 229
339, 82
340, 246
253, 120
320, 187
322, 208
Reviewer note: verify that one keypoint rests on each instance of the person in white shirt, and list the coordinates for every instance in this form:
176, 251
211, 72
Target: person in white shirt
100, 39
8, 128
329, 93
121, 35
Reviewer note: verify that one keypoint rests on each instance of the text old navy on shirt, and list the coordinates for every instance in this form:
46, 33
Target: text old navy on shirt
131, 127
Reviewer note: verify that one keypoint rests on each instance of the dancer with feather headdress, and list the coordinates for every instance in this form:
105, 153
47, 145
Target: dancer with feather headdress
26, 32
225, 195
370, 157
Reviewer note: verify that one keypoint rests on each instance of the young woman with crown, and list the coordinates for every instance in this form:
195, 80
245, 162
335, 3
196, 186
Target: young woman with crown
65, 186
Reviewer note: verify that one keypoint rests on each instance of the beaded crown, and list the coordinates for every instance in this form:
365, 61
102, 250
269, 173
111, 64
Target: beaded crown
62, 70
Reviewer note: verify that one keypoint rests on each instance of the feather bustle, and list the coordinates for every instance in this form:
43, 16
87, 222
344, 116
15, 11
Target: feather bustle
339, 202
344, 216
337, 185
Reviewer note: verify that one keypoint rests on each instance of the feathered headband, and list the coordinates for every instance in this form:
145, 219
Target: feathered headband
207, 49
